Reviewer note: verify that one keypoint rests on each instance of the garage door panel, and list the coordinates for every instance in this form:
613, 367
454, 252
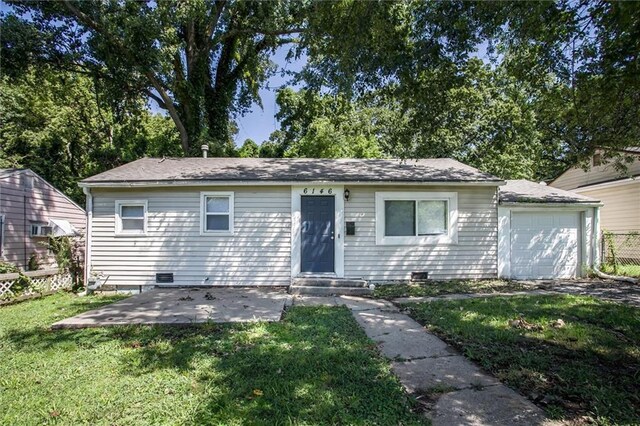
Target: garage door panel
550, 243
544, 244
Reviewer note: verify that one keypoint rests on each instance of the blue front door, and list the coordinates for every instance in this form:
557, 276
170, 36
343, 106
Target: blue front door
318, 222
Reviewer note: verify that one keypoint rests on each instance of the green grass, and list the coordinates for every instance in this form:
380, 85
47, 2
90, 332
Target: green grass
439, 288
626, 270
591, 366
314, 367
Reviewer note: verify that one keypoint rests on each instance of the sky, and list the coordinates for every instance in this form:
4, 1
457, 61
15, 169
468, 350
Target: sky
260, 122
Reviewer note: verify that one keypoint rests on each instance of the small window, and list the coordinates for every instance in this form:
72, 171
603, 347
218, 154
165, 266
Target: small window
415, 218
131, 217
40, 230
217, 213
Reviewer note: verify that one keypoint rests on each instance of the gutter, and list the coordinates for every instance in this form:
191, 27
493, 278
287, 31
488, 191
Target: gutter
87, 250
567, 204
165, 183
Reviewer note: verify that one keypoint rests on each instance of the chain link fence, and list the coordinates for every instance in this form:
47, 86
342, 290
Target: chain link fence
621, 249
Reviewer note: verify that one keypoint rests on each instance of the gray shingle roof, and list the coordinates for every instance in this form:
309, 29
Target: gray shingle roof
290, 170
9, 172
525, 191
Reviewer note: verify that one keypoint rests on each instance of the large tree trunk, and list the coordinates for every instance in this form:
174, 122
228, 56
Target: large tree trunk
217, 109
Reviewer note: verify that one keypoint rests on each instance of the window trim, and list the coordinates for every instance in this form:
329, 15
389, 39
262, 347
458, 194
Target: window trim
204, 214
40, 225
450, 237
128, 233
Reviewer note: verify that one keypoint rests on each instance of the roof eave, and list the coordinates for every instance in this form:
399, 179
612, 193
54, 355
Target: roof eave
551, 204
173, 183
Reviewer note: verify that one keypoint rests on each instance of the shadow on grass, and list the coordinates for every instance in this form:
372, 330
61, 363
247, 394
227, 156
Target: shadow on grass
591, 365
316, 366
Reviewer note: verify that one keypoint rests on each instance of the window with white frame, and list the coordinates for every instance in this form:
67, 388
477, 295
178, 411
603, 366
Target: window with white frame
131, 217
415, 218
40, 229
216, 212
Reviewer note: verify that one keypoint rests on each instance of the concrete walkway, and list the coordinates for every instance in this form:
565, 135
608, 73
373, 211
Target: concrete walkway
183, 306
427, 365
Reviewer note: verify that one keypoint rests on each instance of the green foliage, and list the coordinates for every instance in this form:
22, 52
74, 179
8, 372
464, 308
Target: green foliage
316, 366
59, 125
68, 252
8, 268
568, 366
203, 62
249, 149
382, 78
34, 262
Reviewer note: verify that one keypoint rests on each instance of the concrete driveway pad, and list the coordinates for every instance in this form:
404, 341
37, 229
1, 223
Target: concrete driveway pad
186, 306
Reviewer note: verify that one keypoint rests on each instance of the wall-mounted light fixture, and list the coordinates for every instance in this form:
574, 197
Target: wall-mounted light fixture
347, 194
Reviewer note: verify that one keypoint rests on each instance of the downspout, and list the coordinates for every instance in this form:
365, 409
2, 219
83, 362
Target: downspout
595, 240
87, 249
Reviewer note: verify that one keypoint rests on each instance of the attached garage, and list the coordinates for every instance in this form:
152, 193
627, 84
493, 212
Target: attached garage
545, 233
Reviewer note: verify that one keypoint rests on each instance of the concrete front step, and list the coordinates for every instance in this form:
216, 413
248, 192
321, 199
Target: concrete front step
328, 282
313, 290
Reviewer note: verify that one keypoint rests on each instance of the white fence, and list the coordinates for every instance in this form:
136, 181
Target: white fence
30, 283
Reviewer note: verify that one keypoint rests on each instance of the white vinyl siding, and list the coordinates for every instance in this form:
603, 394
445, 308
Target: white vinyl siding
258, 252
473, 256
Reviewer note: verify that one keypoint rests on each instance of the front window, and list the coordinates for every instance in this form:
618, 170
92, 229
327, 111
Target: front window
131, 217
217, 212
415, 217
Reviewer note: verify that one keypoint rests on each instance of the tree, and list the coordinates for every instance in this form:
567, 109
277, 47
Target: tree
484, 117
58, 125
249, 149
580, 59
201, 61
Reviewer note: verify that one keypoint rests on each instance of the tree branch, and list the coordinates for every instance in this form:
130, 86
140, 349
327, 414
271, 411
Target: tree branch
156, 98
83, 17
173, 112
235, 73
214, 18
236, 32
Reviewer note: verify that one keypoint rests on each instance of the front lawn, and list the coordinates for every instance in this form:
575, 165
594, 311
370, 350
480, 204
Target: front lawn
439, 288
588, 366
314, 367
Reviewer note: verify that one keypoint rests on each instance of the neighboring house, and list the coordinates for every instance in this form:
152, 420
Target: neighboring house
249, 221
619, 192
30, 210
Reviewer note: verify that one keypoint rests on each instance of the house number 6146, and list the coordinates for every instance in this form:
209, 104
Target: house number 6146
312, 191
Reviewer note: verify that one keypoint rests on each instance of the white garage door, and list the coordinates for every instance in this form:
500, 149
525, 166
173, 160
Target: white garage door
545, 244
